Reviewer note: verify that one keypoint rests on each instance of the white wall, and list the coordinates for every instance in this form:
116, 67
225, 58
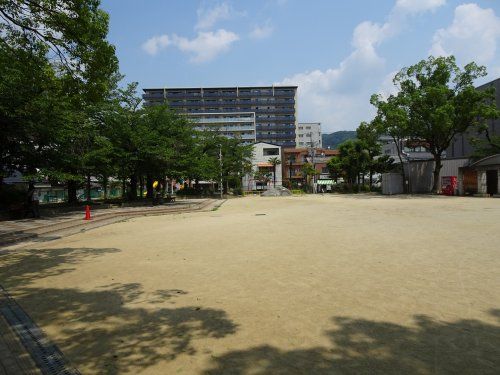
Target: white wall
260, 157
308, 135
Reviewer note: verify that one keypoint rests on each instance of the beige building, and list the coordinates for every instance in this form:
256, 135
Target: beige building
308, 135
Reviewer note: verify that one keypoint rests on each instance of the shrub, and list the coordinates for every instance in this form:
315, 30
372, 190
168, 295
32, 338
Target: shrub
11, 195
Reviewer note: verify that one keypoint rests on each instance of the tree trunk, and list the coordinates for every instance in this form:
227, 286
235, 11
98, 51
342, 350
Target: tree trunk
124, 184
72, 198
105, 186
149, 186
132, 194
141, 186
87, 188
437, 169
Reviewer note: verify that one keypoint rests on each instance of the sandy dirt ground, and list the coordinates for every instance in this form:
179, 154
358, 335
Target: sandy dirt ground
296, 285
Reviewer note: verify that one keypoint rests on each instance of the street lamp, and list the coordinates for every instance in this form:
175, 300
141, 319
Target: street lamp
220, 165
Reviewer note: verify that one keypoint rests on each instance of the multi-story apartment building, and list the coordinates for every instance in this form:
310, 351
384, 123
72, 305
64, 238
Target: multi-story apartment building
309, 135
239, 125
274, 108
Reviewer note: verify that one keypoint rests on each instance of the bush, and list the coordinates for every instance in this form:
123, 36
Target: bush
364, 188
237, 191
11, 195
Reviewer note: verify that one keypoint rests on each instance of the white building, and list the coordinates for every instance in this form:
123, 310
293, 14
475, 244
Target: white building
308, 134
262, 153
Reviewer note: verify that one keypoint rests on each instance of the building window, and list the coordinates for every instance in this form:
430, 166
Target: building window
271, 151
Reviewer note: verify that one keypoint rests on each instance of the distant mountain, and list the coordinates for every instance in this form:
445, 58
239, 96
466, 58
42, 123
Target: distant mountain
334, 139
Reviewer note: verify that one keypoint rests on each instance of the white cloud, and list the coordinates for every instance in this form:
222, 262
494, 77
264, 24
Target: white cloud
156, 43
339, 97
262, 32
472, 36
208, 17
417, 6
204, 47
207, 44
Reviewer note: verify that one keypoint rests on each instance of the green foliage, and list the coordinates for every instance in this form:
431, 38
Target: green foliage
435, 101
353, 160
73, 33
485, 147
12, 196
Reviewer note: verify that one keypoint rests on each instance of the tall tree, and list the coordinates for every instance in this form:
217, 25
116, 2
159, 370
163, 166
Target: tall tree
392, 120
74, 34
441, 101
275, 161
351, 163
369, 135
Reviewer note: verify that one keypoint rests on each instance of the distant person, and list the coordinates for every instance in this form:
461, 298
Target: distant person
33, 201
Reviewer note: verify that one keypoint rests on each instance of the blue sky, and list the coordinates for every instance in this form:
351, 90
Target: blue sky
337, 52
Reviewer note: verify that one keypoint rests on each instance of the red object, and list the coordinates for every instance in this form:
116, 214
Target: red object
87, 212
449, 184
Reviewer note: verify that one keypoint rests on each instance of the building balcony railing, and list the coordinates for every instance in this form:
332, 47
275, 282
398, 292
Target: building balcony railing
219, 103
277, 118
197, 110
275, 136
275, 128
225, 128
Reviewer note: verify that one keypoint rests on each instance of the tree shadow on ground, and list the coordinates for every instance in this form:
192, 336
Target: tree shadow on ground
111, 329
102, 332
20, 267
369, 347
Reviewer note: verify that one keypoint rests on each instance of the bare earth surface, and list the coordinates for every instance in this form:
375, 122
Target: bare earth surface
295, 285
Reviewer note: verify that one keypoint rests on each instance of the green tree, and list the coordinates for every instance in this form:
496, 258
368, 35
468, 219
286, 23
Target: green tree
236, 161
308, 172
392, 120
274, 161
56, 67
351, 163
73, 32
440, 101
369, 135
262, 176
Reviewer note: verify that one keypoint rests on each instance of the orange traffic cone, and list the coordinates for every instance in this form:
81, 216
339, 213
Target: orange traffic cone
87, 212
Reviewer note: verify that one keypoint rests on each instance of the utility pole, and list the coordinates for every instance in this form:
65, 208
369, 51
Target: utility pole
220, 165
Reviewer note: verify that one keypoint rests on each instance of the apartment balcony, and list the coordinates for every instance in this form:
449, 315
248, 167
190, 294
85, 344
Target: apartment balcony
275, 136
275, 128
279, 93
290, 119
274, 110
248, 128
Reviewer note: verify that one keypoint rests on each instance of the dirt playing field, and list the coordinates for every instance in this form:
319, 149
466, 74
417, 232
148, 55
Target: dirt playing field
295, 285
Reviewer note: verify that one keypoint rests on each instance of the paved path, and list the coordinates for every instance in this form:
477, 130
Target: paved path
48, 228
